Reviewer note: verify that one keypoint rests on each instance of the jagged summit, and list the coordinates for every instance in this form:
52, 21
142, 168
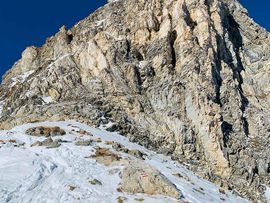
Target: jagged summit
187, 78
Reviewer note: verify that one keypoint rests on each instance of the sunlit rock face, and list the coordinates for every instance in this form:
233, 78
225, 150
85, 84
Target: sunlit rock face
187, 78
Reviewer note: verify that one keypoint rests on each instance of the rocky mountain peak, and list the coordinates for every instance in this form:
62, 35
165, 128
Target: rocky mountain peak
187, 78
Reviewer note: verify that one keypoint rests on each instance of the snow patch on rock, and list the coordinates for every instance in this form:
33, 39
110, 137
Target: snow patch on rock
267, 193
47, 100
21, 78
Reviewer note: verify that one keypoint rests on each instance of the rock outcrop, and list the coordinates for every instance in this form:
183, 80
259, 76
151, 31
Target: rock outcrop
187, 78
45, 131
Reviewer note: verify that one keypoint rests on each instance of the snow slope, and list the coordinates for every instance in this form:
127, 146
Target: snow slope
267, 193
37, 174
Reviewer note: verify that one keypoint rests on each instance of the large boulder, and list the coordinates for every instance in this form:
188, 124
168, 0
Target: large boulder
139, 177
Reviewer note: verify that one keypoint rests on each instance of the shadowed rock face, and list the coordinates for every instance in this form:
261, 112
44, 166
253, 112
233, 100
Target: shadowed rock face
187, 78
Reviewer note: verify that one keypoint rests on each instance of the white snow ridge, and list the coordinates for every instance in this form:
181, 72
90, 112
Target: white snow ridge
71, 166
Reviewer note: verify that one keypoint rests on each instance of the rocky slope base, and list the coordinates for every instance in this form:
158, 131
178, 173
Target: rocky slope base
86, 164
187, 78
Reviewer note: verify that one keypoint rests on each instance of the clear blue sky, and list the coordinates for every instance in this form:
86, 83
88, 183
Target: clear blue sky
30, 22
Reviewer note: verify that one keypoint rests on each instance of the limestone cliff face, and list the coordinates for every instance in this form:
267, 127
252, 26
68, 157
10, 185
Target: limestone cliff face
188, 78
